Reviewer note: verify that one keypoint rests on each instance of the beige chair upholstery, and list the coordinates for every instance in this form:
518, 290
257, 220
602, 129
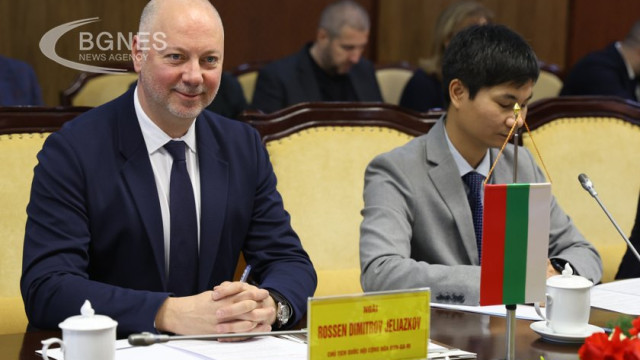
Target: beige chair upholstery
598, 136
22, 133
248, 83
319, 153
91, 89
247, 75
392, 80
547, 86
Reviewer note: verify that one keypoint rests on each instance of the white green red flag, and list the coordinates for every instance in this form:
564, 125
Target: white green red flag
515, 243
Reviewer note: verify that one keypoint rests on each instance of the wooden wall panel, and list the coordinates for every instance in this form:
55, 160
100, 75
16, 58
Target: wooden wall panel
596, 23
254, 30
26, 21
560, 31
405, 27
268, 30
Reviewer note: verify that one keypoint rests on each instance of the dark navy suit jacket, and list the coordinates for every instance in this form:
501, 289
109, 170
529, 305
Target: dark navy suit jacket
18, 84
422, 92
600, 73
94, 228
292, 80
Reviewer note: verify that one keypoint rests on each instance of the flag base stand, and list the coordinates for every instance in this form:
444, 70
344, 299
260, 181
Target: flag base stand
511, 332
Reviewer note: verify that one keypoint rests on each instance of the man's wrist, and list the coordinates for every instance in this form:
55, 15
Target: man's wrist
161, 319
284, 311
559, 264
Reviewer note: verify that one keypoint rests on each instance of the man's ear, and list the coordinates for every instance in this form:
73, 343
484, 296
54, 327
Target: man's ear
457, 92
136, 53
322, 35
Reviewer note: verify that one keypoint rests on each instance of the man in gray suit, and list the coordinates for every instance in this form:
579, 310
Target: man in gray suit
418, 229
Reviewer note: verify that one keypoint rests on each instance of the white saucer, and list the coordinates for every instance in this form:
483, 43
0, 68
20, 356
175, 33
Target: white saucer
540, 327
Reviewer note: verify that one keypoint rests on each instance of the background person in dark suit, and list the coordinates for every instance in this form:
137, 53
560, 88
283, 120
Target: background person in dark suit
230, 101
18, 84
99, 218
424, 89
612, 71
330, 69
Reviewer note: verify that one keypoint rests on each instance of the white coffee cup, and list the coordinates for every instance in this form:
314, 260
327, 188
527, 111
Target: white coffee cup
568, 303
86, 336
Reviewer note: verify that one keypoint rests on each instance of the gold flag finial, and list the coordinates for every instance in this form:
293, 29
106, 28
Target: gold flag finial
516, 113
516, 110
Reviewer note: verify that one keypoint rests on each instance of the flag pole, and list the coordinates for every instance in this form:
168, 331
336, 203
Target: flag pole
511, 332
511, 308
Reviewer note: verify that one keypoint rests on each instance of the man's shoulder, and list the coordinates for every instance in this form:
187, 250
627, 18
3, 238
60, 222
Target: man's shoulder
608, 56
285, 64
229, 129
364, 64
423, 77
14, 65
407, 154
96, 119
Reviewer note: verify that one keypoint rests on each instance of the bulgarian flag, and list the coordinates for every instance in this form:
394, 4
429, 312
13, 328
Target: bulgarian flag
515, 243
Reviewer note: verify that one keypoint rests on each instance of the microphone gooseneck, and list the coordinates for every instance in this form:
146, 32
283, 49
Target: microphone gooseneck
588, 186
147, 338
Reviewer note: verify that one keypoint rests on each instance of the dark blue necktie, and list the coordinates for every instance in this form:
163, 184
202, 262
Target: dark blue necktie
474, 182
183, 255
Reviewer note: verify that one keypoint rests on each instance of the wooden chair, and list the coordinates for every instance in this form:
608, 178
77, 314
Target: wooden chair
319, 153
93, 89
247, 75
392, 79
598, 136
22, 133
549, 82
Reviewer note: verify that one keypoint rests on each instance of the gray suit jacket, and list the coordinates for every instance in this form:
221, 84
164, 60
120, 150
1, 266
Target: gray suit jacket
417, 229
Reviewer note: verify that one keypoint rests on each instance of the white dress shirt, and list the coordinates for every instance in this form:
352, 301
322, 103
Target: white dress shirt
161, 162
464, 167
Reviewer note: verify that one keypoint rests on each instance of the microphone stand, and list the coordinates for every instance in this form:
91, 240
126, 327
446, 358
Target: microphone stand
511, 308
588, 186
615, 224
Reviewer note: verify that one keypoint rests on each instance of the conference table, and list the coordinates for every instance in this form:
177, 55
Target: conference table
479, 333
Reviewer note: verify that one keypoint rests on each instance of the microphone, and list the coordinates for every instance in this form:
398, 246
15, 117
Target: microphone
147, 338
588, 186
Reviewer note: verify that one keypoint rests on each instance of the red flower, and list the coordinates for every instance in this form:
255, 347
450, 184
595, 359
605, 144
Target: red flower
636, 327
599, 347
632, 351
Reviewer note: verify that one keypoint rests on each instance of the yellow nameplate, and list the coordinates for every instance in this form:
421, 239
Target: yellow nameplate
382, 325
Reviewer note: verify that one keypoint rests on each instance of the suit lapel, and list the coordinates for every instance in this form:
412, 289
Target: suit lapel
138, 175
214, 186
360, 81
445, 176
306, 78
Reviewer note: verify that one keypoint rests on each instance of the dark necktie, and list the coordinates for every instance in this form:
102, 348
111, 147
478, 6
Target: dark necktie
474, 182
183, 255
